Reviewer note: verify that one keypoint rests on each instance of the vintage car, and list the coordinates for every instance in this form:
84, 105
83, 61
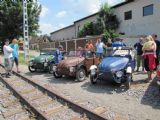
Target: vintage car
117, 66
44, 61
76, 64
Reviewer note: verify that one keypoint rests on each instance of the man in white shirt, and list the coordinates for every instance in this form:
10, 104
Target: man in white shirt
99, 48
8, 58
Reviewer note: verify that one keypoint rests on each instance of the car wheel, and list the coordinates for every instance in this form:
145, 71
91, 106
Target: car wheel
128, 81
51, 68
81, 75
93, 79
31, 69
56, 75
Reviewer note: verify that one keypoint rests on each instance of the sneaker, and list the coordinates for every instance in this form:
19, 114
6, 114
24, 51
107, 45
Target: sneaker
7, 76
158, 82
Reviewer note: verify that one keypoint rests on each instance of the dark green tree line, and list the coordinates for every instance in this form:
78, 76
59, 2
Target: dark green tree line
11, 18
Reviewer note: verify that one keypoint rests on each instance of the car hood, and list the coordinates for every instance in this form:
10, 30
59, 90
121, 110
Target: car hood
71, 61
42, 58
113, 63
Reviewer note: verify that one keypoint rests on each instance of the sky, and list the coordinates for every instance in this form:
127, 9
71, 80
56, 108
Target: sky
57, 14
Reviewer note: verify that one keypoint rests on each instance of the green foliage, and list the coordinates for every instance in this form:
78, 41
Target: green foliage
110, 34
11, 22
106, 24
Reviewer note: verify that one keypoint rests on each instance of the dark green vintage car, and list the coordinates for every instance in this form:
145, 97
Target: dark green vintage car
43, 62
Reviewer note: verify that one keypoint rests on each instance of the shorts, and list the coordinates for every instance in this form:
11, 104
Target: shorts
16, 61
8, 63
100, 55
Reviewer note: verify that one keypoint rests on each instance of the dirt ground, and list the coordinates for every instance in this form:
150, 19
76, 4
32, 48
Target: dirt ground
141, 102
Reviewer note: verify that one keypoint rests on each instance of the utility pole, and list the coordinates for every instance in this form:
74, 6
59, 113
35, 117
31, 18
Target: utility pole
25, 31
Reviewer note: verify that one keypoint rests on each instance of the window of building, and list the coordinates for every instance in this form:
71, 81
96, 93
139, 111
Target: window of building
148, 10
128, 15
78, 28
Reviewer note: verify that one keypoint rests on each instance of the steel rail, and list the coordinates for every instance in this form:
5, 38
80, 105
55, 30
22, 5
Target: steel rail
76, 107
23, 100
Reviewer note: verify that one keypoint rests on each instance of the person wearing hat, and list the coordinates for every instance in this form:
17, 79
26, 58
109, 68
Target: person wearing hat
15, 48
8, 58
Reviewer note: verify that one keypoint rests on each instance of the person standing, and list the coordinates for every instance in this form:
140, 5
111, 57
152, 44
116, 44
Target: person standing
149, 55
8, 58
58, 54
89, 45
138, 46
15, 48
118, 43
99, 48
157, 48
109, 42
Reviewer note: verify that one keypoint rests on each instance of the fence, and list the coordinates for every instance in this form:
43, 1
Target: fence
68, 44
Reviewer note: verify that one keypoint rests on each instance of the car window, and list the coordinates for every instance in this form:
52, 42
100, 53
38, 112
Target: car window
46, 52
77, 53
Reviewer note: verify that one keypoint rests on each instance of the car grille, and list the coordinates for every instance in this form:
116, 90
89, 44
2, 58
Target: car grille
63, 70
38, 65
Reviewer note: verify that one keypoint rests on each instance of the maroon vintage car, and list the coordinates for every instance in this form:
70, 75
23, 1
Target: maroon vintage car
76, 64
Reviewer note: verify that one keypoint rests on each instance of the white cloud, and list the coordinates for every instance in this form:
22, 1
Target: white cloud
61, 14
44, 11
61, 25
113, 2
46, 28
87, 6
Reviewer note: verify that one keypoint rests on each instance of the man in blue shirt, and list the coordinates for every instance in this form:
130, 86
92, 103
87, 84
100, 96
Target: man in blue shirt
15, 48
118, 43
58, 54
100, 48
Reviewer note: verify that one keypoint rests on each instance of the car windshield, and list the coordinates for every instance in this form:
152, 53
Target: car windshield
46, 52
118, 52
77, 53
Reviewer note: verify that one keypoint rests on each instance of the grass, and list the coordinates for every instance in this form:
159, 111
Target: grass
21, 58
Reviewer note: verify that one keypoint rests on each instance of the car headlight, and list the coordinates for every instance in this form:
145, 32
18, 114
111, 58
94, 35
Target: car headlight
54, 68
30, 63
45, 64
71, 69
93, 71
119, 74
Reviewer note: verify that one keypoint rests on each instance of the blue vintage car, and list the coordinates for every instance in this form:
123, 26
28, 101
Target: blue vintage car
117, 66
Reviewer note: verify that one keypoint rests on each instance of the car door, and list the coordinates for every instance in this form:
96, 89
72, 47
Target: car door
90, 59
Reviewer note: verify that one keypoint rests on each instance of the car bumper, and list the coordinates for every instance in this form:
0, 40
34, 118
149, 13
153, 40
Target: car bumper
109, 76
39, 66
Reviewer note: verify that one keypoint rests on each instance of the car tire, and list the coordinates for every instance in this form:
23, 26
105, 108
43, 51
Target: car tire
50, 69
56, 75
93, 79
128, 81
81, 75
31, 69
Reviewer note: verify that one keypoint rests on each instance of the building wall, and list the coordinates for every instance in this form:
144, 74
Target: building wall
64, 34
139, 24
78, 25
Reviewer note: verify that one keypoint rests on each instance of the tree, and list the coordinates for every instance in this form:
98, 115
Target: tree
109, 21
11, 18
106, 24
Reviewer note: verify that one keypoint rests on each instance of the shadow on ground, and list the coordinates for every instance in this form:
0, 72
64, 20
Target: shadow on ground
104, 87
151, 96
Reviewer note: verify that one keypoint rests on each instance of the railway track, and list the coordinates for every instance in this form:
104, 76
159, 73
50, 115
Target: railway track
45, 104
